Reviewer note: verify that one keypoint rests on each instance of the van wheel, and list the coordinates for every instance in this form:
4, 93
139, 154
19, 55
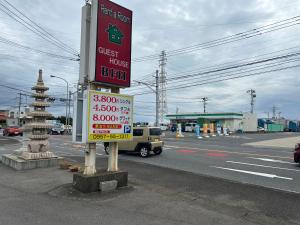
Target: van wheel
158, 151
106, 149
144, 151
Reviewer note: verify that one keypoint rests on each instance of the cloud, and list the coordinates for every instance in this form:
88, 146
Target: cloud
163, 25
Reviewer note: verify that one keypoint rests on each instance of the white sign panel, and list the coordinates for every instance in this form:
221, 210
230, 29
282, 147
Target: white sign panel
110, 117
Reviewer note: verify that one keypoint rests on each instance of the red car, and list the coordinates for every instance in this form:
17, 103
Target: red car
12, 131
297, 153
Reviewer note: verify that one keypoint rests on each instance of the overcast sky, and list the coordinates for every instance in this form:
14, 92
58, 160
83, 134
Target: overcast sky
164, 25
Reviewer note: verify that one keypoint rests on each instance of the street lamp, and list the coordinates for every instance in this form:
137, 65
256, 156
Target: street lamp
67, 119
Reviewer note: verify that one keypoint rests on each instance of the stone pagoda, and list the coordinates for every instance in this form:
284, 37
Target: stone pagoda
35, 152
38, 145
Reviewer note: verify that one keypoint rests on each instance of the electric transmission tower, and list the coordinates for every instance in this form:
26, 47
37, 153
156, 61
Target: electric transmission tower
162, 92
253, 96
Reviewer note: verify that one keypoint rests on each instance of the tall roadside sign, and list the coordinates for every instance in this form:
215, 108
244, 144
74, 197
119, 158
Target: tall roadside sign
105, 64
111, 45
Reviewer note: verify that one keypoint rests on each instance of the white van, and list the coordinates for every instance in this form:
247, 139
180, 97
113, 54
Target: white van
163, 126
190, 127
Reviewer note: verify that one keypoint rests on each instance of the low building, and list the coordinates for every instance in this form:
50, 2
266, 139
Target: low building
14, 117
233, 121
3, 118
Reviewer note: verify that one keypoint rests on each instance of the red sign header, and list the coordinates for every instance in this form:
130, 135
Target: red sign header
113, 53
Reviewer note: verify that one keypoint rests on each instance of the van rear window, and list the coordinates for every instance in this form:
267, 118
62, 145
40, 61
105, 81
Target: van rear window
155, 131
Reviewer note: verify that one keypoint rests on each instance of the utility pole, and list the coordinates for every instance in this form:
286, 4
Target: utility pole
204, 99
19, 106
69, 113
252, 95
274, 108
163, 108
268, 113
279, 115
157, 99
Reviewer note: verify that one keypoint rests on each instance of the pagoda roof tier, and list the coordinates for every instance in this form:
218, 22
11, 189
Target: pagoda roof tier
40, 114
39, 95
38, 136
41, 104
39, 87
39, 125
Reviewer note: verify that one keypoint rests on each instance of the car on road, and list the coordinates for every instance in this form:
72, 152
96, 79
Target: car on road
145, 140
58, 128
297, 153
13, 131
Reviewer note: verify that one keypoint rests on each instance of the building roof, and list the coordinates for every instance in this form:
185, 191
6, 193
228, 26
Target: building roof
229, 115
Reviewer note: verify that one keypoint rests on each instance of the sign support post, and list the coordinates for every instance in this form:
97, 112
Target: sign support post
90, 159
113, 147
90, 153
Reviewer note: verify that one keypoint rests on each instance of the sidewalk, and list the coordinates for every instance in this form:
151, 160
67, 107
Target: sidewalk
288, 142
155, 196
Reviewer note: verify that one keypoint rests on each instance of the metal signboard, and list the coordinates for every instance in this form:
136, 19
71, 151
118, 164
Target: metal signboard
113, 44
110, 117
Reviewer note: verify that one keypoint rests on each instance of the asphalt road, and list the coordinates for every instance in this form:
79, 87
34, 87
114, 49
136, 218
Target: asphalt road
224, 157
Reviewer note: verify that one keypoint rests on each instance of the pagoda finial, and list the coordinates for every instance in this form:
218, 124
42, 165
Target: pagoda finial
40, 79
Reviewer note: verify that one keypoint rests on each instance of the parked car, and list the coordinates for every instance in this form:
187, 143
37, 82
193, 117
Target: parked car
164, 126
297, 153
12, 131
57, 128
145, 140
261, 130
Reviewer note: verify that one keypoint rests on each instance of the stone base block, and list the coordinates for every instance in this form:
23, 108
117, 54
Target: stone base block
41, 155
108, 185
17, 163
88, 184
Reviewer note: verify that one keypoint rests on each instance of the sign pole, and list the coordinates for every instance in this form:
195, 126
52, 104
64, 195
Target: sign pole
90, 153
113, 147
90, 159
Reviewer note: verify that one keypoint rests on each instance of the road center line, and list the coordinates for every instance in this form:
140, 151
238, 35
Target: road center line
254, 173
230, 152
273, 167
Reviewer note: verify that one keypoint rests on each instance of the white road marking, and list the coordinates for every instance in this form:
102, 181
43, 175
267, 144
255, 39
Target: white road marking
273, 167
59, 146
272, 160
170, 146
254, 173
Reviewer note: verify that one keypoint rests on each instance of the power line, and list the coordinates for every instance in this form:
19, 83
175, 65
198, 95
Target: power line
280, 57
282, 24
225, 78
17, 45
219, 66
33, 29
41, 28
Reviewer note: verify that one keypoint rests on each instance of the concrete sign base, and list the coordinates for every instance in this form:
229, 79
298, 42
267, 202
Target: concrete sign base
95, 183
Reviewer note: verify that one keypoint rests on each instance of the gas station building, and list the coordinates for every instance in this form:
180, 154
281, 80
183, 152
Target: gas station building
232, 121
